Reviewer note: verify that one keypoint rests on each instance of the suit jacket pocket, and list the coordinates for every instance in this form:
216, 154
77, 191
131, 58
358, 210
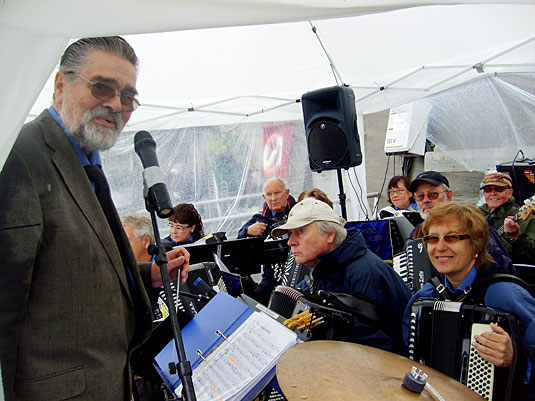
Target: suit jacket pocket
55, 387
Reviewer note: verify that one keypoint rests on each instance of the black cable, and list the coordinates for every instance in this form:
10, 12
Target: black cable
374, 212
407, 165
363, 208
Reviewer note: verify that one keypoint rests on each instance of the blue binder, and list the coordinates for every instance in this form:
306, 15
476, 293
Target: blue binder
224, 314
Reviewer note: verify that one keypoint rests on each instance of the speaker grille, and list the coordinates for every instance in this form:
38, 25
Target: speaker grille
327, 146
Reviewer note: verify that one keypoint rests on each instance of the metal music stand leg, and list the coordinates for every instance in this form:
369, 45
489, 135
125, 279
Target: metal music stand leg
184, 366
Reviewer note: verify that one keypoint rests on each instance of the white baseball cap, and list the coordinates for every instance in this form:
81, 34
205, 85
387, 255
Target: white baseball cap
306, 212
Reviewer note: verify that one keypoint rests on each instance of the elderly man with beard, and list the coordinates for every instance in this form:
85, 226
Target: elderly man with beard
74, 302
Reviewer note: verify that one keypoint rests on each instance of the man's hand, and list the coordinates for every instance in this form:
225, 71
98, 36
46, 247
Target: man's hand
177, 259
495, 346
511, 228
256, 229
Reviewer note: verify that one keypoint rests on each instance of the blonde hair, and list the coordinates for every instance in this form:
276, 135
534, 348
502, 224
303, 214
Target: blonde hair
471, 220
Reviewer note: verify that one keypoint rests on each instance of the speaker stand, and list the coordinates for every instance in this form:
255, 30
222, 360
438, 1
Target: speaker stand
341, 194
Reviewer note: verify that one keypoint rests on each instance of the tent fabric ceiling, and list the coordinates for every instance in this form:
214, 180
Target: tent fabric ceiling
374, 45
103, 17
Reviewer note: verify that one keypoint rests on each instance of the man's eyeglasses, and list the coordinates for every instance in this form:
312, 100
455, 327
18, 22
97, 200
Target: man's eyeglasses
431, 195
493, 188
396, 192
449, 238
177, 227
104, 92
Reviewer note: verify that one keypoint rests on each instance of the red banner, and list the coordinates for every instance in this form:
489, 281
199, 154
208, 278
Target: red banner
276, 150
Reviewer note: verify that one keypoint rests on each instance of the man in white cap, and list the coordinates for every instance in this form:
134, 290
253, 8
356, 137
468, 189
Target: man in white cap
341, 262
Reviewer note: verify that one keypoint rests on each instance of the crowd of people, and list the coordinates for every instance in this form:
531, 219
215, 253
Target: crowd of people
80, 285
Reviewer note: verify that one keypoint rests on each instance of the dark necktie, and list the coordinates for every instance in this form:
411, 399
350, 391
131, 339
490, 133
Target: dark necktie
102, 190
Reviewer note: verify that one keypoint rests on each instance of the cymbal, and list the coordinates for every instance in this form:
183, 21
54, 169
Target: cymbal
336, 370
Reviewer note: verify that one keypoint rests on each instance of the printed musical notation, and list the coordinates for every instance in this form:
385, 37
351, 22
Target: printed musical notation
233, 369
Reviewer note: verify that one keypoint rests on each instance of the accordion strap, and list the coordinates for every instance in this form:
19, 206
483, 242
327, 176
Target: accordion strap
443, 292
481, 285
485, 282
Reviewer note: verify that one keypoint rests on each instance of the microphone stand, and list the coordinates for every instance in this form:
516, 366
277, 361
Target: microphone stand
184, 366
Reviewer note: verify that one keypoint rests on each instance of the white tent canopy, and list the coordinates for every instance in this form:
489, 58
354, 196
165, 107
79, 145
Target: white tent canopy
373, 48
241, 62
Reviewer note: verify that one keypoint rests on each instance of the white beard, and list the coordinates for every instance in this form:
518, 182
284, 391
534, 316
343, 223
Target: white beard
90, 136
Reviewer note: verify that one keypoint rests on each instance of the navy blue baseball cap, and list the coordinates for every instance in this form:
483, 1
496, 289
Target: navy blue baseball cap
432, 177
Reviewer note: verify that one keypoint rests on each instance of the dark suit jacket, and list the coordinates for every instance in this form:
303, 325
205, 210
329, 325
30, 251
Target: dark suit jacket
67, 316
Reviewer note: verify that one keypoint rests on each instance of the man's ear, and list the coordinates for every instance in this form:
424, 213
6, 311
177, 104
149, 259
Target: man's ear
59, 87
330, 237
146, 241
449, 194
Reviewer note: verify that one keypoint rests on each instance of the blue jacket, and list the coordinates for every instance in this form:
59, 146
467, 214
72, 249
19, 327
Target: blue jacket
505, 296
353, 268
188, 241
268, 217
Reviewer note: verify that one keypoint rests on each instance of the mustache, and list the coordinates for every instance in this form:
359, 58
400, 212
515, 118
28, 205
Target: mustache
100, 111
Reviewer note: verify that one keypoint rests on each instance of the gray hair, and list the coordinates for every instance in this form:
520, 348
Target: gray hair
141, 223
76, 55
326, 227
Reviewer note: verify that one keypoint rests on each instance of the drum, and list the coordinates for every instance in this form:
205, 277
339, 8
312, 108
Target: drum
335, 370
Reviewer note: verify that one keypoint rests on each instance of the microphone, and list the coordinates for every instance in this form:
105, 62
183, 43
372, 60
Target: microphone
204, 288
155, 190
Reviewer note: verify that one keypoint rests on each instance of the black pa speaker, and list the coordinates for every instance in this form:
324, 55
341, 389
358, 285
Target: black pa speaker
522, 173
331, 128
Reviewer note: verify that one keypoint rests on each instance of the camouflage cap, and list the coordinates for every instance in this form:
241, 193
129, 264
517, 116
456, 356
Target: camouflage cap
498, 179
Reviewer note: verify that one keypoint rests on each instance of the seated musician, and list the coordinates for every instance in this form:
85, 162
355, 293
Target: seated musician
456, 238
431, 188
293, 274
138, 228
277, 204
517, 236
399, 197
185, 225
341, 262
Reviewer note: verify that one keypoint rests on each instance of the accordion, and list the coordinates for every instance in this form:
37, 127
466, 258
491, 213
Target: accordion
413, 265
335, 311
209, 273
291, 273
441, 334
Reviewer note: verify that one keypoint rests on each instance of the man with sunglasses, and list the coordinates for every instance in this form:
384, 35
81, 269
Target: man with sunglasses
431, 188
74, 302
500, 208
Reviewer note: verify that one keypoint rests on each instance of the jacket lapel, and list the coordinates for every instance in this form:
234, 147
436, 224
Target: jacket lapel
71, 170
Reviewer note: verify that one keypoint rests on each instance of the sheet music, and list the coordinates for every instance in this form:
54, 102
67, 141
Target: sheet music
241, 361
220, 264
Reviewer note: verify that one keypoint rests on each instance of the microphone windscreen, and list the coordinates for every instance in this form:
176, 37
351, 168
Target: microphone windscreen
141, 139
